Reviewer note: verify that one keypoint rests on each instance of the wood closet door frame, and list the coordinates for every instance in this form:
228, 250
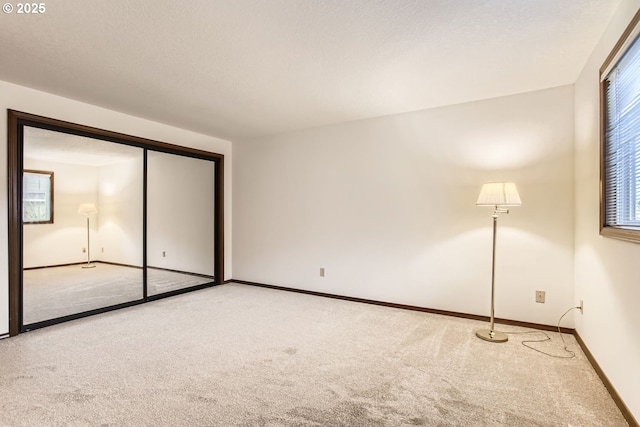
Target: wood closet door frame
16, 121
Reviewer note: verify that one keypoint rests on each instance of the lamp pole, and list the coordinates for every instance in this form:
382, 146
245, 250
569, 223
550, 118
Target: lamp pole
498, 195
88, 264
491, 334
493, 269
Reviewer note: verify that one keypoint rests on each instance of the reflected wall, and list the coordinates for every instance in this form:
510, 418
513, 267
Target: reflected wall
180, 230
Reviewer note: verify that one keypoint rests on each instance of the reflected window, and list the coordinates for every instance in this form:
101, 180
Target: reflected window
37, 197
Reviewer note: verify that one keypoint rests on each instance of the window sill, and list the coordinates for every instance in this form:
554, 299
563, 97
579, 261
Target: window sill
627, 234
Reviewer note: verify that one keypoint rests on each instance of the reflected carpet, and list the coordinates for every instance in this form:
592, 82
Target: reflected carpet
59, 291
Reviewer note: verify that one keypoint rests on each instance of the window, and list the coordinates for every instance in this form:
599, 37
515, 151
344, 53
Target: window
37, 197
620, 155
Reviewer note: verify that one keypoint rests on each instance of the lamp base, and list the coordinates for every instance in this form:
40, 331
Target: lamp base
89, 266
493, 336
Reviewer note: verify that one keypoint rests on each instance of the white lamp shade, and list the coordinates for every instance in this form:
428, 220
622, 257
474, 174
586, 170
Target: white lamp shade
499, 194
87, 209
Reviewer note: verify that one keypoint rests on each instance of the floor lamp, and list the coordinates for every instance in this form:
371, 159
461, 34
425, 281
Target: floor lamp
87, 209
498, 195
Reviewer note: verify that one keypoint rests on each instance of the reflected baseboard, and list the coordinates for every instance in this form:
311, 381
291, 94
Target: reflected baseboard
118, 264
96, 262
206, 276
93, 262
56, 265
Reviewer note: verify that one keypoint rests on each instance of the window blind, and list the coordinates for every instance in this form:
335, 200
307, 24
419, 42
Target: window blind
622, 141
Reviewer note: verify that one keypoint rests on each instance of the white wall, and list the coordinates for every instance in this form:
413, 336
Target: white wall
606, 270
387, 206
181, 211
62, 241
116, 231
44, 104
120, 219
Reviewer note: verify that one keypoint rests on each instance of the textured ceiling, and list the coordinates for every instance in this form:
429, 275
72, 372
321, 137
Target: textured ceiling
245, 68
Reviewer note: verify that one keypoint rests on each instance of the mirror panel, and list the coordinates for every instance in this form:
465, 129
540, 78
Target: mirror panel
87, 253
90, 255
180, 224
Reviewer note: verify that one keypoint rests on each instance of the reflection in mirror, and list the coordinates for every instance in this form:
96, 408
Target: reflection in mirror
180, 224
107, 237
37, 197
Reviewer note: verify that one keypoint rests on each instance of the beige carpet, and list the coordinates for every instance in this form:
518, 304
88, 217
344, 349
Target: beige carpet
240, 355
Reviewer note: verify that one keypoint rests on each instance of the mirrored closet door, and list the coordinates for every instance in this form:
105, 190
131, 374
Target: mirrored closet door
82, 224
100, 220
180, 230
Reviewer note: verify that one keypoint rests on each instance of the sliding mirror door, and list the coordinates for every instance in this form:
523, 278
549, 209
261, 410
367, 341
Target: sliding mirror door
180, 222
82, 225
100, 220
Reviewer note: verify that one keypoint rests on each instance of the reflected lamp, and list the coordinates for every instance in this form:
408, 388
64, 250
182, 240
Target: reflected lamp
86, 210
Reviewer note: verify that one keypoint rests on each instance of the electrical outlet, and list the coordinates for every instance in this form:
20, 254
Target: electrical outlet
540, 295
84, 250
581, 307
102, 250
321, 271
164, 254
